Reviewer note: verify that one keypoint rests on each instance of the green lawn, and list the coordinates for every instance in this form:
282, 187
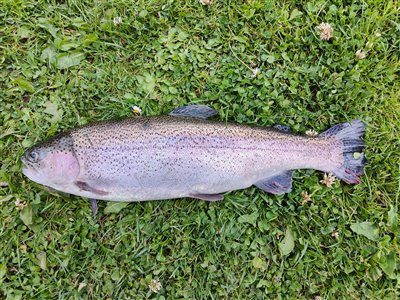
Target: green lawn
65, 63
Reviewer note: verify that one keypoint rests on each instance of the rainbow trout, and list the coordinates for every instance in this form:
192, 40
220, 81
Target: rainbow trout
184, 155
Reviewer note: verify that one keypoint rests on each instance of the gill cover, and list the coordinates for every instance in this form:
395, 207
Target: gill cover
52, 163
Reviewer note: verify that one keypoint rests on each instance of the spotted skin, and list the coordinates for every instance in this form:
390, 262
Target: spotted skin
165, 157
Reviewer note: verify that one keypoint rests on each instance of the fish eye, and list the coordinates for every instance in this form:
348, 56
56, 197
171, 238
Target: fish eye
33, 156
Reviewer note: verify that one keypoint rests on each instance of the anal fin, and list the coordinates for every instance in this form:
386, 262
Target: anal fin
278, 184
194, 111
207, 197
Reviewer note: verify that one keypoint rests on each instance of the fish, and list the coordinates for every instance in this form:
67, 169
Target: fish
187, 155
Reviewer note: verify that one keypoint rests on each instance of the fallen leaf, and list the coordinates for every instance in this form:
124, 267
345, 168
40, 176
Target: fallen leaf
24, 33
24, 84
258, 263
44, 23
90, 38
65, 45
367, 229
67, 60
392, 217
81, 286
42, 257
49, 55
26, 215
388, 265
295, 13
3, 270
52, 109
287, 244
251, 219
6, 198
115, 207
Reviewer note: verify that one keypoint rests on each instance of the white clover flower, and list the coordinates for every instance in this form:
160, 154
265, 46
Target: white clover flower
306, 198
325, 31
256, 71
137, 110
369, 45
206, 2
311, 132
117, 21
20, 205
329, 180
155, 286
360, 54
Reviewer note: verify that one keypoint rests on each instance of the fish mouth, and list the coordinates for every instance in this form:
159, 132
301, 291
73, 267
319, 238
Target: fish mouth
31, 173
27, 169
24, 167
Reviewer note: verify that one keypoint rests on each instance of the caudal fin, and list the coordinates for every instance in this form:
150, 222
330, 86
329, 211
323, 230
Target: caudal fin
354, 160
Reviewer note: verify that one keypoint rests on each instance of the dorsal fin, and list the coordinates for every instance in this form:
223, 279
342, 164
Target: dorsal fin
282, 128
193, 111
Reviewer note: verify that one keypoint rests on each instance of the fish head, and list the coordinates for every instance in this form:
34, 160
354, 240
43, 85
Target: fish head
52, 163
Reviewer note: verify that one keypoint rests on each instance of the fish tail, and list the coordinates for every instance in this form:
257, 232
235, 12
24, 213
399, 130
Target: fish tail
350, 134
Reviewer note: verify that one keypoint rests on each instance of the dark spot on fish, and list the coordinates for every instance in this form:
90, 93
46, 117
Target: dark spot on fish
146, 125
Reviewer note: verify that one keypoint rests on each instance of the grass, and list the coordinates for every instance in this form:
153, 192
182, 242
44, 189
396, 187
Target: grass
65, 63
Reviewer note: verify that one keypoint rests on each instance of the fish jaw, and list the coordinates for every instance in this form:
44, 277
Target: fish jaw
31, 173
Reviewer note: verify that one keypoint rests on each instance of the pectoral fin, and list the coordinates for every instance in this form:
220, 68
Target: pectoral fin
193, 111
208, 197
278, 184
86, 187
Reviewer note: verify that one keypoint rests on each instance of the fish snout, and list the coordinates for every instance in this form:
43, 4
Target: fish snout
27, 169
24, 164
23, 159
